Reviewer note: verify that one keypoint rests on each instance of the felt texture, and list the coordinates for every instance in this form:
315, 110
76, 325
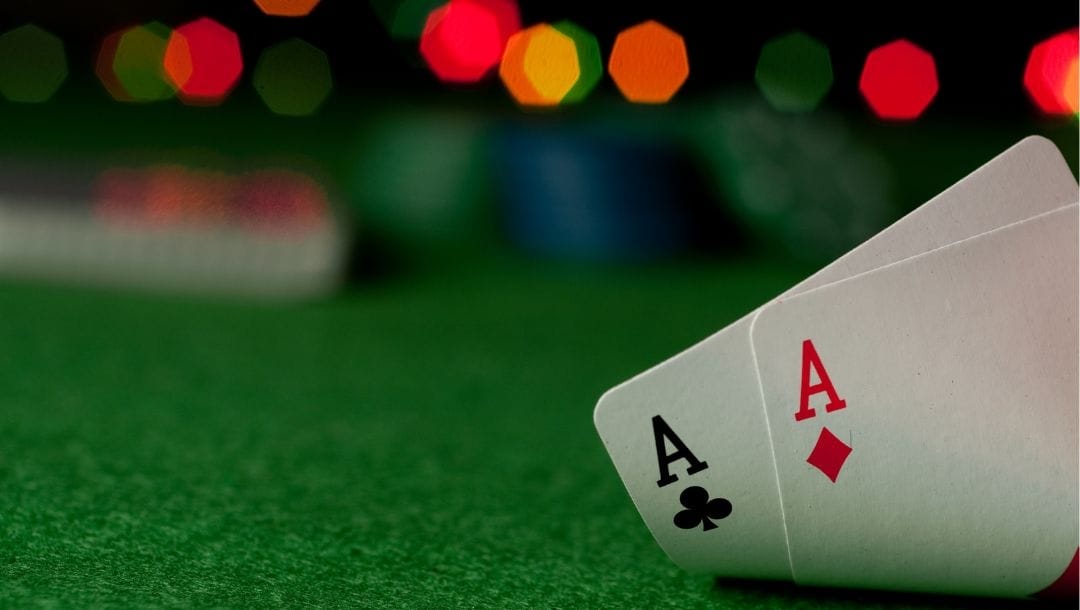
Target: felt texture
424, 442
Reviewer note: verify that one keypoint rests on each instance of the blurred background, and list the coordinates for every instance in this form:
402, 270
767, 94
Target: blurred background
151, 142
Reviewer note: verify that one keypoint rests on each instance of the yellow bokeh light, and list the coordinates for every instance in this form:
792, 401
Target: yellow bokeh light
551, 63
540, 66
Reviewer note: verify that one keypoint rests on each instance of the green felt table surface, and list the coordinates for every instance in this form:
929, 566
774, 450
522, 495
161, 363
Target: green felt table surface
422, 441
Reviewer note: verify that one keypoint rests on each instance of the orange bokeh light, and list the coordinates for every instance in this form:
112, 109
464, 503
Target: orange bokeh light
649, 63
286, 8
1071, 90
512, 72
203, 61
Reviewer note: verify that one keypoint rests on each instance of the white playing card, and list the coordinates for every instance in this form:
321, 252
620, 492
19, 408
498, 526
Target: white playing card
923, 416
709, 395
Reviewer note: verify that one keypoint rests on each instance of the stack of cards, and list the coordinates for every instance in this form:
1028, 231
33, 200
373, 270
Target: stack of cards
904, 419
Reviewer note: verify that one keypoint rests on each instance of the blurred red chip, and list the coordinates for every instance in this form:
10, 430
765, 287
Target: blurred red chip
272, 201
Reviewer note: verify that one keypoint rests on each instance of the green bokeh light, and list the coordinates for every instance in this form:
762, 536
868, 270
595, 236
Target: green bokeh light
404, 19
794, 72
32, 64
138, 62
589, 61
293, 78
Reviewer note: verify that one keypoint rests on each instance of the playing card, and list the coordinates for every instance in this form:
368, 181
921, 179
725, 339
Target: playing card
923, 416
693, 430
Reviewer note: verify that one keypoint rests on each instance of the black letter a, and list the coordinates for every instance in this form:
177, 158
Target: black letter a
663, 460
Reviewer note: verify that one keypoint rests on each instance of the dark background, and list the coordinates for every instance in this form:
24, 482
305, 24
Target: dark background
980, 49
382, 89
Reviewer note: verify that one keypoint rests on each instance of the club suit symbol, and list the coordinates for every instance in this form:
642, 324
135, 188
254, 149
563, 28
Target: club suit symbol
700, 510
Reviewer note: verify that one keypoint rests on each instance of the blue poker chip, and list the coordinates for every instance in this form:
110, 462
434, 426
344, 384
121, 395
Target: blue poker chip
587, 196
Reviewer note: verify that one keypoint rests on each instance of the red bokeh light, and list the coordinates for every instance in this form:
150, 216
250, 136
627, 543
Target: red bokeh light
203, 61
1046, 76
506, 14
103, 68
464, 39
899, 80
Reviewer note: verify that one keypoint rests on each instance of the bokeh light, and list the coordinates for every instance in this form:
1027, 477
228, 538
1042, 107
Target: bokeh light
1048, 70
286, 8
540, 66
512, 70
293, 78
649, 63
464, 39
590, 64
103, 68
33, 64
202, 59
551, 63
404, 19
899, 80
1072, 87
138, 63
506, 13
794, 72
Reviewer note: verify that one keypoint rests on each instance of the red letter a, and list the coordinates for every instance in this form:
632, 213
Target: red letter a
810, 358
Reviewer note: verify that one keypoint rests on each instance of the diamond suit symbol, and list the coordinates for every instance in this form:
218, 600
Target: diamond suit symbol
829, 454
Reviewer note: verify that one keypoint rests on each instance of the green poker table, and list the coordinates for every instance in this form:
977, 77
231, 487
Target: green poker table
422, 439
425, 444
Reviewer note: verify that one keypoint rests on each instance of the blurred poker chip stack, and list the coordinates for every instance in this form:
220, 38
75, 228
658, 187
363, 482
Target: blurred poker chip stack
801, 183
420, 182
589, 194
